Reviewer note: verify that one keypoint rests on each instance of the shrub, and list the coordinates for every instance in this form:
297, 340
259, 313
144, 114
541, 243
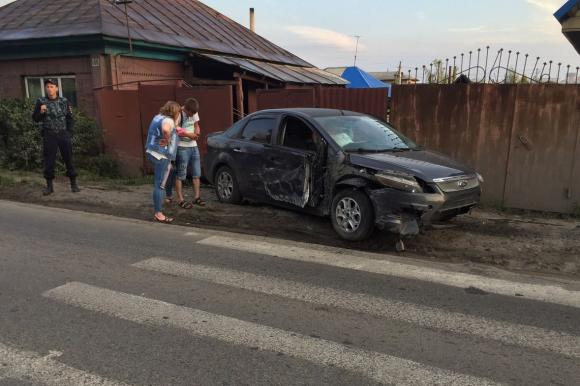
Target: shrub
100, 165
21, 143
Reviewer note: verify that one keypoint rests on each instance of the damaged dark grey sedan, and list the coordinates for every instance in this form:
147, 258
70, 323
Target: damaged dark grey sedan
354, 168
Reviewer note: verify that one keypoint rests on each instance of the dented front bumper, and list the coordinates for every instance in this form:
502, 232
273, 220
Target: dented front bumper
404, 213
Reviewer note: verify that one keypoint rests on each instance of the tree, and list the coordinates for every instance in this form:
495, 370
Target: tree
437, 72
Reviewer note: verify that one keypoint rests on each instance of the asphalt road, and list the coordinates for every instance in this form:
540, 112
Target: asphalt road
96, 300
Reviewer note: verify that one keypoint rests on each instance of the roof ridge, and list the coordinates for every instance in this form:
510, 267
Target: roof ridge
198, 27
100, 16
253, 33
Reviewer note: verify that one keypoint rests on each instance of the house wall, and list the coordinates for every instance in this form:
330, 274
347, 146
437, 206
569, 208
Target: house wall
91, 73
128, 72
12, 73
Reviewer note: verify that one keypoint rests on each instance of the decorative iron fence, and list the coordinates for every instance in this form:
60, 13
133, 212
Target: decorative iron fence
484, 66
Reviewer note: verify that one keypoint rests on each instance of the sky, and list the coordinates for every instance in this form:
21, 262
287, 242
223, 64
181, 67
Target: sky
413, 32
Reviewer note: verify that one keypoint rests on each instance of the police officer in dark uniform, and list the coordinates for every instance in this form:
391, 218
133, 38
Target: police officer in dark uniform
55, 118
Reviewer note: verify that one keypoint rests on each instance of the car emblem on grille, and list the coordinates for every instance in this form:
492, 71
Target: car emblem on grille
462, 184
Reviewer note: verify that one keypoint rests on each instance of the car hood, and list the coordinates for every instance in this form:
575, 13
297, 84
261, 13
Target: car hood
427, 165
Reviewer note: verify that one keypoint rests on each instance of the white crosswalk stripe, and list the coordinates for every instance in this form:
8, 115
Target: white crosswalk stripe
383, 266
377, 366
428, 317
28, 366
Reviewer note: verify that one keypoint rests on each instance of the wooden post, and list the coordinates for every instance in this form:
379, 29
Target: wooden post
239, 95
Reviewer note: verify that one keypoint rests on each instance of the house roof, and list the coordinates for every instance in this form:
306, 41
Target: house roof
280, 72
186, 24
391, 75
335, 70
569, 16
564, 12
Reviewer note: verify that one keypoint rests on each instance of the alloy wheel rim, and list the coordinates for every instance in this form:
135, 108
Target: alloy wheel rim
348, 215
225, 185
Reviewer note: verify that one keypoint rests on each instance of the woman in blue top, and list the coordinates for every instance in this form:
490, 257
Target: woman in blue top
161, 149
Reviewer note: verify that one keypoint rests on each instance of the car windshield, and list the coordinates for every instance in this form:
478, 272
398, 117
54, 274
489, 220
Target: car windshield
362, 133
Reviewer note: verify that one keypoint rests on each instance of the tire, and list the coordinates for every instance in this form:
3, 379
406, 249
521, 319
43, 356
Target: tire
352, 215
226, 186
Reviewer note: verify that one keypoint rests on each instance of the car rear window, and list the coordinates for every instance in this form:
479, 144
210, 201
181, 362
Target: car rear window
259, 130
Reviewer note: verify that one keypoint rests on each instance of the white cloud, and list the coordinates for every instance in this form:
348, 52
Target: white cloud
326, 37
546, 5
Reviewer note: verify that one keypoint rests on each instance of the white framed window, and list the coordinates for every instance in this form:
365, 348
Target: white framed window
66, 87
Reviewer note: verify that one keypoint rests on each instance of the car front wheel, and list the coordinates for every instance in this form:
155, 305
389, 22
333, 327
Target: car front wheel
352, 215
226, 186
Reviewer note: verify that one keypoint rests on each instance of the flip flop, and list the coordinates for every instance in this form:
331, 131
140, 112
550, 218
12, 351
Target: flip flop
198, 202
166, 220
185, 205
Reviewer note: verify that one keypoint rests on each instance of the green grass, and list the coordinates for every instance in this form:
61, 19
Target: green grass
7, 181
576, 211
11, 178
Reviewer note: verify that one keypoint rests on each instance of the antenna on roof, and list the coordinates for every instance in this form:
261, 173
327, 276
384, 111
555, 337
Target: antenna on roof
125, 2
356, 49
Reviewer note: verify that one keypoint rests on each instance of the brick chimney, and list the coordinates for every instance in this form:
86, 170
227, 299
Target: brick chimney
252, 20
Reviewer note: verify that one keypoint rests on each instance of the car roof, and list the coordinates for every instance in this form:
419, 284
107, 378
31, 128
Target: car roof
310, 112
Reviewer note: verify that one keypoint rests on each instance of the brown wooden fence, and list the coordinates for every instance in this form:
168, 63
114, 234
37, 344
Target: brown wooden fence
126, 115
524, 139
369, 101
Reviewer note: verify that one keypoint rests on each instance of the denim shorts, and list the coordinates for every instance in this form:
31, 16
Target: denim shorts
188, 157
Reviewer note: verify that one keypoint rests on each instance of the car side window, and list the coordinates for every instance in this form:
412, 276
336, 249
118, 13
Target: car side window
259, 130
297, 135
234, 131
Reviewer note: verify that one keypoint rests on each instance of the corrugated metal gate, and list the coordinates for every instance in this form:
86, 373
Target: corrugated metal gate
371, 101
544, 155
216, 108
126, 115
285, 98
119, 113
524, 139
368, 101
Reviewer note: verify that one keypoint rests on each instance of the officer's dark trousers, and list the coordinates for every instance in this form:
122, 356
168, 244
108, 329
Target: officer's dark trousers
52, 142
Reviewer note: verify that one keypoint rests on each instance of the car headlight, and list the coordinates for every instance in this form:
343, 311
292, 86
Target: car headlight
479, 178
399, 181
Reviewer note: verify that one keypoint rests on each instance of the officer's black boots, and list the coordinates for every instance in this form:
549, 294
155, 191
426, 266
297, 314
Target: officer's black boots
49, 188
73, 185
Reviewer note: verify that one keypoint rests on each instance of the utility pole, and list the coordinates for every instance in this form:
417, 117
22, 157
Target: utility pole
356, 49
399, 78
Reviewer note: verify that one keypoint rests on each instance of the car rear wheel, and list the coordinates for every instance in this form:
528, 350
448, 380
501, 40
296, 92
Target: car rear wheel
352, 215
226, 186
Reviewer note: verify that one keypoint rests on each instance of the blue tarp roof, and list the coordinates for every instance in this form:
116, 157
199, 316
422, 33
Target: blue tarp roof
359, 78
562, 13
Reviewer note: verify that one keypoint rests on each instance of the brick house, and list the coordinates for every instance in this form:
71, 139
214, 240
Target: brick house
94, 44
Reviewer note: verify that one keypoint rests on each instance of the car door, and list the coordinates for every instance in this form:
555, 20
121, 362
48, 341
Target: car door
294, 164
248, 153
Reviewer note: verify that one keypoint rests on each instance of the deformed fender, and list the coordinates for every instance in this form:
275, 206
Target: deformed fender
357, 182
403, 213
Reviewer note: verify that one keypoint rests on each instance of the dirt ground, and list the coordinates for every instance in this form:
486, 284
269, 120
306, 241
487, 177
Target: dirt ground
517, 242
